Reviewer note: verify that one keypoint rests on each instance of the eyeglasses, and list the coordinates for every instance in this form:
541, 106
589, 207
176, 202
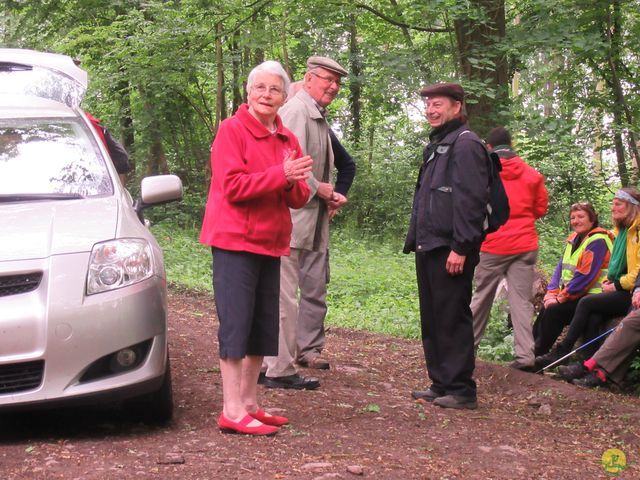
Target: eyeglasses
329, 80
262, 89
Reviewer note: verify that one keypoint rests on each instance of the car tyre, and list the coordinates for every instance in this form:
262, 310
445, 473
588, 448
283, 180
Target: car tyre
155, 407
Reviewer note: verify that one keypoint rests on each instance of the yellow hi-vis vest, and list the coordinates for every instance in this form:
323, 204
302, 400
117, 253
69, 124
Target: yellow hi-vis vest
570, 261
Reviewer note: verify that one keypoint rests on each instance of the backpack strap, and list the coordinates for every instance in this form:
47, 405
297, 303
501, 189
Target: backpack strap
451, 145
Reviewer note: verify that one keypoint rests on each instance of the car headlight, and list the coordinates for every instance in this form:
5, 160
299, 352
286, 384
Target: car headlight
118, 263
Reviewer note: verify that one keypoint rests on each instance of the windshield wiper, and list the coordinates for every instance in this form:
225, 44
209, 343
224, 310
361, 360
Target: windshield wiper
30, 197
14, 67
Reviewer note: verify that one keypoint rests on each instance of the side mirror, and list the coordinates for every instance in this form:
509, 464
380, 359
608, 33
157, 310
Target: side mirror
157, 190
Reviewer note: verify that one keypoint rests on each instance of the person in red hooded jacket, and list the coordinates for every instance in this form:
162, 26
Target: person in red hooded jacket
511, 252
117, 152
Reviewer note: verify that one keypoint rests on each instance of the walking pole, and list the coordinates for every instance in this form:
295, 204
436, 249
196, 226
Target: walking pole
579, 348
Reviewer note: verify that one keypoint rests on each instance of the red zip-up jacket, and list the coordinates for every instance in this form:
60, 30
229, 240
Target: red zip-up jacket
528, 201
248, 205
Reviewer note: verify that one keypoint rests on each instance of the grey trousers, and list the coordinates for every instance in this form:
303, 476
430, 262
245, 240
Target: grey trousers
519, 272
301, 318
616, 353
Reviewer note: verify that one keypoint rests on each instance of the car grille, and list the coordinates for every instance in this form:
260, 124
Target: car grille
19, 377
15, 284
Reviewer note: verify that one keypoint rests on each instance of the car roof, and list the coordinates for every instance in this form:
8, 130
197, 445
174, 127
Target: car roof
47, 75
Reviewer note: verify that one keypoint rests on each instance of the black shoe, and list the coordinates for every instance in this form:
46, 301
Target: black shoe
573, 371
523, 367
427, 395
590, 380
547, 359
295, 381
456, 401
261, 378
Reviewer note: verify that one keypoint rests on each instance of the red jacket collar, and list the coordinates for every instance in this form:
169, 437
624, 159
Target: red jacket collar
255, 127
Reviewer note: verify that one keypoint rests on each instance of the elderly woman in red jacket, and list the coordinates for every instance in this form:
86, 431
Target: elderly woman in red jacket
258, 173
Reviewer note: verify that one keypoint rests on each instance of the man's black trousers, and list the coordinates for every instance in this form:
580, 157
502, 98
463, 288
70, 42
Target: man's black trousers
447, 322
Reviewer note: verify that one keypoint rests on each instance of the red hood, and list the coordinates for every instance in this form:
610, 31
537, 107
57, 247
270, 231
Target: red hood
512, 168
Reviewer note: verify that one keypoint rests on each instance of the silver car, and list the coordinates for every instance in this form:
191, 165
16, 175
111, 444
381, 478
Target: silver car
83, 293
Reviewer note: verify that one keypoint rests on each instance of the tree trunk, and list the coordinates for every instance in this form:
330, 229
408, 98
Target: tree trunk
156, 160
356, 83
286, 63
597, 147
221, 110
476, 40
619, 145
372, 136
624, 114
246, 60
235, 68
126, 121
258, 54
157, 164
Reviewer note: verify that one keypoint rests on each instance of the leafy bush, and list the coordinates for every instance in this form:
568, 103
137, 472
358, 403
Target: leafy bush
633, 376
188, 262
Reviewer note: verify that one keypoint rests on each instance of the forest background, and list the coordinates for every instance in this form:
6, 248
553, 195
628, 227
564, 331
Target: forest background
561, 75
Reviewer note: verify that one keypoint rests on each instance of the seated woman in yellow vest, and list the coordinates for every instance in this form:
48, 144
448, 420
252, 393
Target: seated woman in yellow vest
615, 300
580, 271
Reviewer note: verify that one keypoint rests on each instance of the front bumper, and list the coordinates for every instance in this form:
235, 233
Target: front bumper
58, 324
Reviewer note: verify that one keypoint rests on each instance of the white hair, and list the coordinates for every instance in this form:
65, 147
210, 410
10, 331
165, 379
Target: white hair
273, 67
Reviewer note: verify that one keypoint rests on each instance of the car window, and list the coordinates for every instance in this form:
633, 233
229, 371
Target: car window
51, 157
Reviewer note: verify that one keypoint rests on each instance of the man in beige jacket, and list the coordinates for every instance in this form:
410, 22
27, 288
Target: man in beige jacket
302, 322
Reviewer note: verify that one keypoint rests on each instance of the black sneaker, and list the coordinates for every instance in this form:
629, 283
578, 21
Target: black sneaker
547, 359
457, 401
516, 364
295, 381
573, 371
590, 380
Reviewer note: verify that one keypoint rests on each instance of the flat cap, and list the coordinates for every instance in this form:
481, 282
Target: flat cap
327, 64
452, 90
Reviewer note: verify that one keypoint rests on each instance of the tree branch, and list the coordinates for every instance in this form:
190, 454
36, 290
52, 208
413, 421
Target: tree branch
397, 23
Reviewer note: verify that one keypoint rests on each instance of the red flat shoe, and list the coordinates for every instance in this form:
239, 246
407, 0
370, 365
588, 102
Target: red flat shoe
227, 426
274, 420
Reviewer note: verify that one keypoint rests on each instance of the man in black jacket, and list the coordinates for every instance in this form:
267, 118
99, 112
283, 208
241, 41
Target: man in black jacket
446, 230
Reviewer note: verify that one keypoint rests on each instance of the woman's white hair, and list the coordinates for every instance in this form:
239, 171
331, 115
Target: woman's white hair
273, 67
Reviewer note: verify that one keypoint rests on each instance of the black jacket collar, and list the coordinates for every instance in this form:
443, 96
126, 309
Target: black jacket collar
438, 134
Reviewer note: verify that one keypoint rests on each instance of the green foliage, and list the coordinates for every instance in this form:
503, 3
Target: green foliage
497, 342
633, 376
188, 263
551, 237
578, 63
381, 196
551, 147
372, 287
372, 408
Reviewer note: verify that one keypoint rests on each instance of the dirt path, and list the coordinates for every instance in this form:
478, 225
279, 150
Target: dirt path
360, 423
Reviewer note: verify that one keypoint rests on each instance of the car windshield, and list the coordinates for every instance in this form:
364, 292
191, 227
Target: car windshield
50, 159
39, 82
